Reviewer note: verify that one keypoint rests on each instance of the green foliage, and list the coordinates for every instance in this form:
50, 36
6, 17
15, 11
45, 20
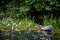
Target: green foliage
48, 19
20, 9
22, 23
20, 6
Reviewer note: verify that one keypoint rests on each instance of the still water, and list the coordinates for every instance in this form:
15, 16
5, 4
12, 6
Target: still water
23, 35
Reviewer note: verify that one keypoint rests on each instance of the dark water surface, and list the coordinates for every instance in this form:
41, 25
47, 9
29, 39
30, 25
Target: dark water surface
22, 35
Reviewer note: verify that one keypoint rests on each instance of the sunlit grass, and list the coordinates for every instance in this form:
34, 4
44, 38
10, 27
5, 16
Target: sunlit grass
19, 23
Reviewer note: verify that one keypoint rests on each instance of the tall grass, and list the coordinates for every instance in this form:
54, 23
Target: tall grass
21, 23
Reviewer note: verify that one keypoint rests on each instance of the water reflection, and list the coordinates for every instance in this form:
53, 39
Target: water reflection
21, 35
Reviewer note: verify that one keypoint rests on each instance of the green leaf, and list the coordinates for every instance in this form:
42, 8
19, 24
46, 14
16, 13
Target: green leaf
39, 6
48, 8
24, 8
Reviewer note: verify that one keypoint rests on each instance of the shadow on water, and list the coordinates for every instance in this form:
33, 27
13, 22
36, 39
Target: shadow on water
21, 35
